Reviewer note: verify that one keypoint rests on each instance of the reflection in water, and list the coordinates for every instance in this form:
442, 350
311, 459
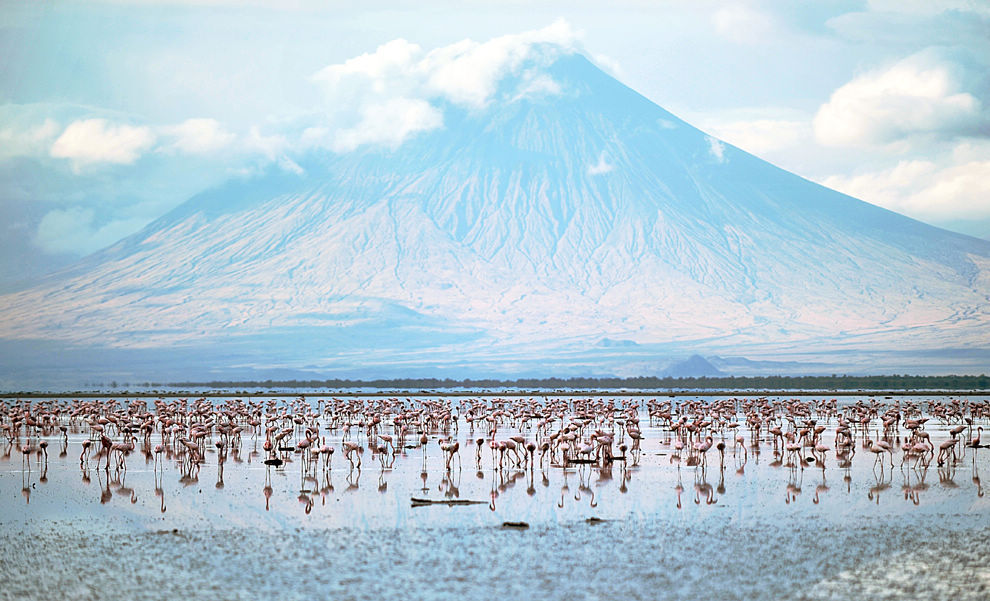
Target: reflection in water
564, 487
104, 480
703, 491
625, 475
353, 479
575, 438
267, 490
820, 489
584, 486
879, 486
190, 474
946, 476
307, 502
161, 495
122, 489
741, 465
795, 478
911, 491
493, 494
327, 488
450, 484
778, 459
26, 487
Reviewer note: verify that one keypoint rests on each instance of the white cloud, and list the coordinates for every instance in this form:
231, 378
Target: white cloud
389, 123
74, 231
534, 85
899, 22
398, 90
198, 136
393, 63
928, 7
287, 164
609, 65
467, 72
271, 146
27, 141
716, 149
92, 141
274, 147
936, 192
920, 95
602, 166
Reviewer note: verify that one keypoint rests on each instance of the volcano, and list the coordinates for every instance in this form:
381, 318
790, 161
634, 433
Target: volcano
578, 229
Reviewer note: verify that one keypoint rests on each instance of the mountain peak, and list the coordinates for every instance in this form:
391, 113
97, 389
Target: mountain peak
532, 226
694, 366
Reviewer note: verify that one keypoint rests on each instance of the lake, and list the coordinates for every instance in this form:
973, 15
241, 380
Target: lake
753, 524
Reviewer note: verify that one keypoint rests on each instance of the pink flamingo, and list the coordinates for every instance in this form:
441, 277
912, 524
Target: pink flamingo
946, 450
106, 444
159, 449
25, 456
83, 457
350, 449
740, 442
422, 443
702, 448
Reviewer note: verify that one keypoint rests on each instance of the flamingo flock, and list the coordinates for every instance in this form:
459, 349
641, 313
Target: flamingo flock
510, 436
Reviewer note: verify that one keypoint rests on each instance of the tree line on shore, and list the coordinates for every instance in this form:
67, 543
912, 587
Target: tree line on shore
832, 382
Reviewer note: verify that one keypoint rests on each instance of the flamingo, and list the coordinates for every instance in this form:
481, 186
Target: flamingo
740, 442
702, 448
947, 449
83, 457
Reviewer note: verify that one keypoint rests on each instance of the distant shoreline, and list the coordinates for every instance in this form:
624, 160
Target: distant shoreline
6, 396
704, 386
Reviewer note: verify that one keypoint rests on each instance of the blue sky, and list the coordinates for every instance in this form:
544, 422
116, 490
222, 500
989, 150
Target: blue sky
112, 113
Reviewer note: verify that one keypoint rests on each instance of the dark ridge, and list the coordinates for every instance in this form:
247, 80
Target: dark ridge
834, 382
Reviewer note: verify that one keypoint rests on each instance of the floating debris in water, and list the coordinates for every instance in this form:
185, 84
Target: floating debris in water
418, 502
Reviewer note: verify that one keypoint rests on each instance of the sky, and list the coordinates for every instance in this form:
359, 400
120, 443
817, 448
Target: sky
112, 113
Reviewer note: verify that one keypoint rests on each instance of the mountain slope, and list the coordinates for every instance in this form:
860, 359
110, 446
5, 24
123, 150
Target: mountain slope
514, 239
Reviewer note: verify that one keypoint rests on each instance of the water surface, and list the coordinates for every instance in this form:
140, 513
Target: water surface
746, 527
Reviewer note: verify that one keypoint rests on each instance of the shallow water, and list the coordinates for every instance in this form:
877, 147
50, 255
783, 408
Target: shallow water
749, 529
